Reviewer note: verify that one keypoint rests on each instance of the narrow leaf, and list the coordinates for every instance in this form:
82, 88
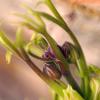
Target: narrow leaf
27, 18
8, 56
19, 38
71, 94
7, 43
95, 88
37, 17
94, 69
49, 17
28, 25
53, 9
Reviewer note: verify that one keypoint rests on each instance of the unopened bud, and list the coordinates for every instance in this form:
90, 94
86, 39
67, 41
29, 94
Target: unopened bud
51, 71
66, 49
68, 52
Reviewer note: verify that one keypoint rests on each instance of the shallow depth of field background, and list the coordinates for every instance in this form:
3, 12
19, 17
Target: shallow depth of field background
17, 80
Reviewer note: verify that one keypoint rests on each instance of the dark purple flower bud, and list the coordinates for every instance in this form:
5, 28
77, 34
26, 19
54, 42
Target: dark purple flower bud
51, 70
68, 52
66, 48
49, 54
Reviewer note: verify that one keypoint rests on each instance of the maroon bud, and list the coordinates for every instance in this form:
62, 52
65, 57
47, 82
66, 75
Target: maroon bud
66, 48
51, 71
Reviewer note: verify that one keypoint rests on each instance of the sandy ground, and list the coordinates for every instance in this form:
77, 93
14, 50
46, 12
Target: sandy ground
17, 80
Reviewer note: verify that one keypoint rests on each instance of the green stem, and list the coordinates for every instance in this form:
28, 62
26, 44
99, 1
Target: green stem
80, 62
56, 96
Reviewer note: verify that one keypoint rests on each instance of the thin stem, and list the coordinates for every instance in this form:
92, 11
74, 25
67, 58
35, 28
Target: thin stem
32, 65
78, 47
56, 96
73, 83
80, 62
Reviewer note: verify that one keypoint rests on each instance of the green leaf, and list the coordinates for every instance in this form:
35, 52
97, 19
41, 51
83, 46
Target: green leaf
94, 69
8, 56
19, 38
70, 94
57, 88
7, 43
56, 96
37, 45
50, 18
33, 22
4, 41
27, 19
29, 26
95, 88
30, 47
36, 16
40, 41
53, 9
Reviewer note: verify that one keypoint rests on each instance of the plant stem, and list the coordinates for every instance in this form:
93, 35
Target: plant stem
56, 96
81, 64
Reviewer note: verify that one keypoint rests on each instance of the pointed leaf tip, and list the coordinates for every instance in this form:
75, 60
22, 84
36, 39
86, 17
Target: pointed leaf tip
8, 56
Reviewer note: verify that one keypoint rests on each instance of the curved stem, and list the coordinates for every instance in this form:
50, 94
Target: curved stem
80, 62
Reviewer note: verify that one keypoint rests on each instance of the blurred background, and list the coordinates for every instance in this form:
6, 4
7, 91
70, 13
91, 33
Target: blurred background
17, 80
